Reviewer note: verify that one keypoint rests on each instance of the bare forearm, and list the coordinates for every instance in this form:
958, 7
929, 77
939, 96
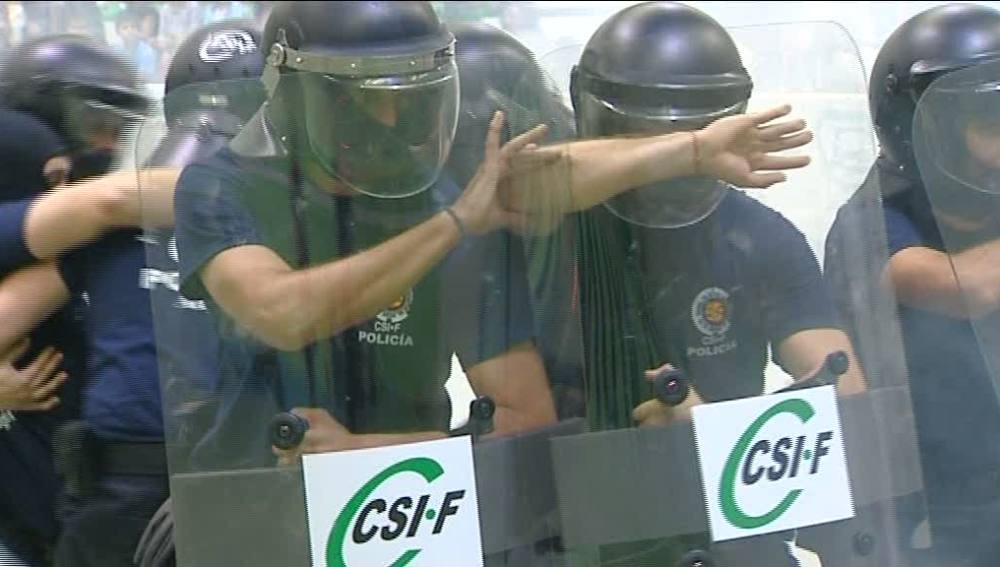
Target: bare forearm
510, 421
963, 285
518, 385
323, 301
602, 169
65, 219
77, 214
592, 171
804, 353
27, 297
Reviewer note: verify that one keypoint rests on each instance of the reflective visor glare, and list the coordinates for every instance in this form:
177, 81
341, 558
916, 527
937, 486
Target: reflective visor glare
90, 120
603, 118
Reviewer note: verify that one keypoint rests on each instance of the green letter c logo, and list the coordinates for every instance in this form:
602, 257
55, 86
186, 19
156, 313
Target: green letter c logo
427, 468
727, 491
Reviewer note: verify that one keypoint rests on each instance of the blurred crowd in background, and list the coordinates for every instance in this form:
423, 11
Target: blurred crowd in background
149, 32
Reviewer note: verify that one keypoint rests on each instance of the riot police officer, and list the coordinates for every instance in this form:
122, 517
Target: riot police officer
937, 276
122, 457
110, 460
689, 272
497, 72
358, 144
32, 399
348, 124
85, 95
207, 98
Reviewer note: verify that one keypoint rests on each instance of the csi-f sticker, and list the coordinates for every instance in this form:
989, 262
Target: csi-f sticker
398, 310
223, 45
772, 463
394, 506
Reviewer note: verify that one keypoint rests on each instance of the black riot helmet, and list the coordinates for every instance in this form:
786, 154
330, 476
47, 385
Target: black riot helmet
926, 47
78, 86
369, 90
212, 88
654, 68
216, 69
497, 72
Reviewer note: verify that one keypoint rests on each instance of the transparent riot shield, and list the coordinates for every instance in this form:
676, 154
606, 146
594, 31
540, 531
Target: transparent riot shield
954, 207
742, 482
415, 328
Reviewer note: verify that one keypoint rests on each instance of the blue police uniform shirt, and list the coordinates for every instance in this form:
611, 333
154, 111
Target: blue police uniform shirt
14, 252
122, 394
25, 148
475, 304
956, 410
187, 343
720, 291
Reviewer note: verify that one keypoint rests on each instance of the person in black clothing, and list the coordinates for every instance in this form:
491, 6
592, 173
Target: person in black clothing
33, 400
932, 245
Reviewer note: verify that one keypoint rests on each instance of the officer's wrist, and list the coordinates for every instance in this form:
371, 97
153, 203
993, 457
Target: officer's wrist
459, 223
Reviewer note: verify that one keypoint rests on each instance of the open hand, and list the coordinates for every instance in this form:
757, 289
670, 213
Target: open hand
479, 207
34, 387
740, 149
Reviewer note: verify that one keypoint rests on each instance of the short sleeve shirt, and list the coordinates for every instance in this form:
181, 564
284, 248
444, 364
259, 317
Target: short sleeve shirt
951, 387
122, 394
721, 291
385, 374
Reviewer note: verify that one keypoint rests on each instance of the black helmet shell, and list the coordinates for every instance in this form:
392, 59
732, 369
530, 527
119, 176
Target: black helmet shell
361, 29
225, 50
225, 61
656, 49
925, 47
37, 75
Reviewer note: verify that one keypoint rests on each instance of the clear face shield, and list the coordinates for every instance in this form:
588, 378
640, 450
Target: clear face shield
399, 371
651, 297
668, 204
97, 117
100, 122
957, 136
383, 136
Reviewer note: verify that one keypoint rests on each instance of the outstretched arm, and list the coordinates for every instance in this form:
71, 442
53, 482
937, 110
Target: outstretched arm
578, 175
289, 308
73, 215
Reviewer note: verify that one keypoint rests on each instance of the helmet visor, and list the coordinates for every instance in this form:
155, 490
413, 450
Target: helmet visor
386, 137
97, 118
667, 204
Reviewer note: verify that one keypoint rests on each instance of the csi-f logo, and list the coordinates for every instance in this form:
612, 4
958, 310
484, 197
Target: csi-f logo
387, 328
367, 518
223, 45
397, 311
754, 460
772, 463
